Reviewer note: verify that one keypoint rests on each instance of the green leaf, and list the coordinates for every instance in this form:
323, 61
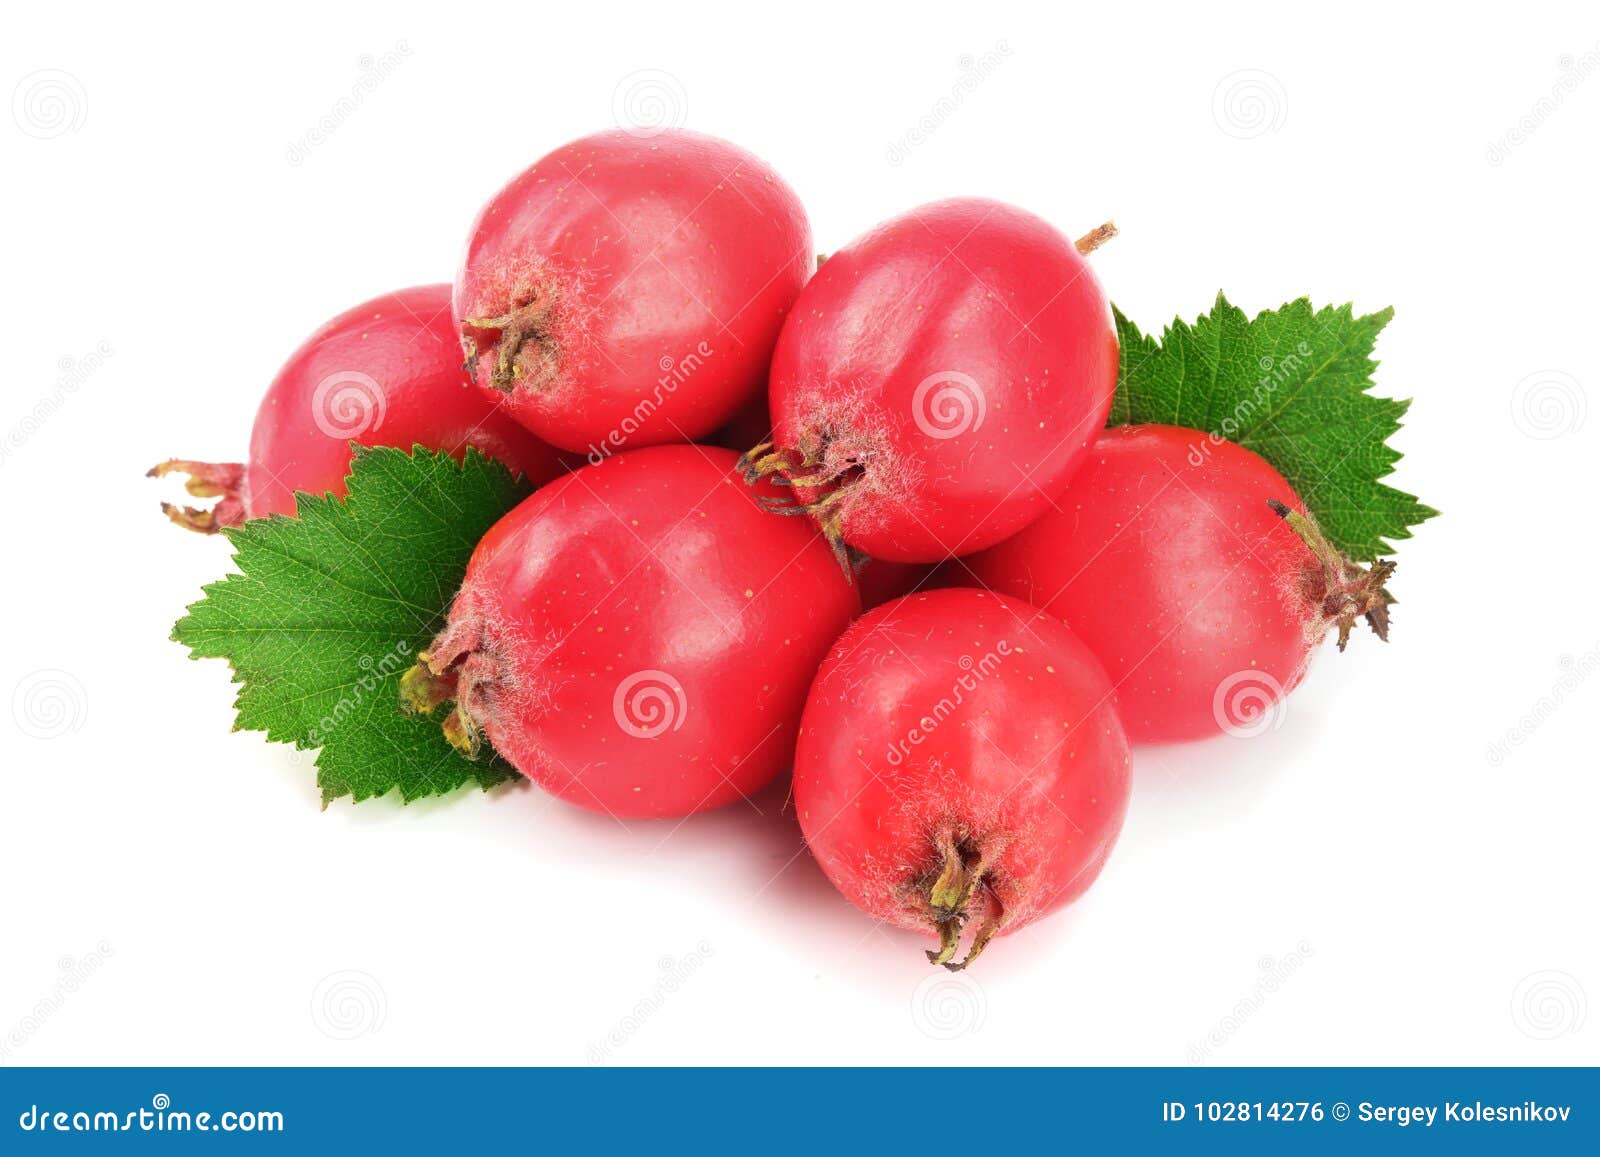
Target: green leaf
330, 608
1290, 384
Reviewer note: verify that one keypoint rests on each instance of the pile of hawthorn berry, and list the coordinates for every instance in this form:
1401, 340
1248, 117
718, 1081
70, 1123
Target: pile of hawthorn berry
933, 582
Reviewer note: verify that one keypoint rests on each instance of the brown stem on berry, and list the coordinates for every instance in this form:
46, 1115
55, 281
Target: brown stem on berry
949, 897
832, 485
1342, 590
527, 322
220, 480
1095, 238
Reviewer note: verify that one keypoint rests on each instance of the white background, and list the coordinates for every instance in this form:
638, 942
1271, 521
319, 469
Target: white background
1362, 884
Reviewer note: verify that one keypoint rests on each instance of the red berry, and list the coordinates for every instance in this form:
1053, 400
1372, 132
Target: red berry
638, 636
386, 373
939, 380
627, 291
1188, 565
960, 759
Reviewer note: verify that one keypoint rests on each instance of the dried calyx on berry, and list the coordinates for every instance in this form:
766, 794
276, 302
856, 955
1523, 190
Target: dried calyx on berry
807, 471
531, 322
958, 891
223, 481
450, 674
1342, 589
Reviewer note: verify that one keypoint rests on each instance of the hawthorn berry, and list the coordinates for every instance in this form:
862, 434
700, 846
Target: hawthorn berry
1191, 568
939, 380
626, 291
960, 761
386, 373
638, 636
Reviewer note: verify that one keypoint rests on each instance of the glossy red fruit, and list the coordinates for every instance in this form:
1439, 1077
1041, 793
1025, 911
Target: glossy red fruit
960, 760
939, 380
386, 373
1188, 565
627, 291
638, 636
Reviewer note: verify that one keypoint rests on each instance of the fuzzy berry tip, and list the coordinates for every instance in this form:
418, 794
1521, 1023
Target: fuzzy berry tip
1343, 590
950, 896
422, 688
429, 685
521, 342
451, 673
